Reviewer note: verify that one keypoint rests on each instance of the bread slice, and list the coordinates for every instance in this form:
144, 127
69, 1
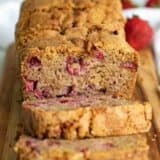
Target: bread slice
115, 148
53, 66
81, 117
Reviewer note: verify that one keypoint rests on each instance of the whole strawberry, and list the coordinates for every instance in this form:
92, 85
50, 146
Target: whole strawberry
153, 3
138, 32
127, 4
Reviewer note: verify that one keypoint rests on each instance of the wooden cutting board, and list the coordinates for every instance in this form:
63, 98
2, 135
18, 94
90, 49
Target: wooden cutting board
10, 103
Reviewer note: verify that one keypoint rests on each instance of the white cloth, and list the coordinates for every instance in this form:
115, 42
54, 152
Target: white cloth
139, 2
9, 12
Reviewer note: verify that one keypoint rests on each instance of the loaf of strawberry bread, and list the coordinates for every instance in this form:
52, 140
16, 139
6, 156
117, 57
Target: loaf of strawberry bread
81, 117
111, 148
78, 74
74, 48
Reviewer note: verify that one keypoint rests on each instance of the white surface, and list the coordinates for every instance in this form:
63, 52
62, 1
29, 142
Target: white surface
156, 46
9, 11
140, 2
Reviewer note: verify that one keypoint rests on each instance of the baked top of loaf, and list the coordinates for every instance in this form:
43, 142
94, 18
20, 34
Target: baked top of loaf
40, 5
81, 117
80, 15
39, 16
115, 148
75, 35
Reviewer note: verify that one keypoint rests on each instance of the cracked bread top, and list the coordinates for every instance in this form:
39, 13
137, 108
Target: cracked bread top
79, 14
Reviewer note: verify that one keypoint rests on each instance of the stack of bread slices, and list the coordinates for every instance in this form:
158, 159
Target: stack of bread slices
78, 76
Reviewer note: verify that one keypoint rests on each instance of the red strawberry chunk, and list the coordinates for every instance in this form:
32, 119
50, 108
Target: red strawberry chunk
74, 69
30, 85
64, 101
129, 65
45, 93
74, 65
98, 54
34, 61
38, 94
42, 94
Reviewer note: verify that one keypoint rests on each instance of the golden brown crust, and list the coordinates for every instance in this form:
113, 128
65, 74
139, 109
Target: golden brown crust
48, 15
53, 15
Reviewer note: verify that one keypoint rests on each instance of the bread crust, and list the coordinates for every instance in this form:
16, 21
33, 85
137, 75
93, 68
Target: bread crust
90, 121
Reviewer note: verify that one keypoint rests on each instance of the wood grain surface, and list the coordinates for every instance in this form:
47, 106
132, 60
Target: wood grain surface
148, 81
6, 93
10, 103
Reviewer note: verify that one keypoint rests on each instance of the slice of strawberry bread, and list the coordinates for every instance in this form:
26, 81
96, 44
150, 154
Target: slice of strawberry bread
55, 66
81, 117
111, 148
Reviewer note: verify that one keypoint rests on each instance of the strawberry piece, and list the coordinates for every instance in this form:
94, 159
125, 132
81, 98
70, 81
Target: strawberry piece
30, 85
129, 65
127, 4
138, 33
45, 93
74, 65
64, 101
38, 94
153, 3
98, 54
34, 61
42, 94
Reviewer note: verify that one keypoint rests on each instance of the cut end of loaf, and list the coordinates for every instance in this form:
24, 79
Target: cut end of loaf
82, 117
62, 70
